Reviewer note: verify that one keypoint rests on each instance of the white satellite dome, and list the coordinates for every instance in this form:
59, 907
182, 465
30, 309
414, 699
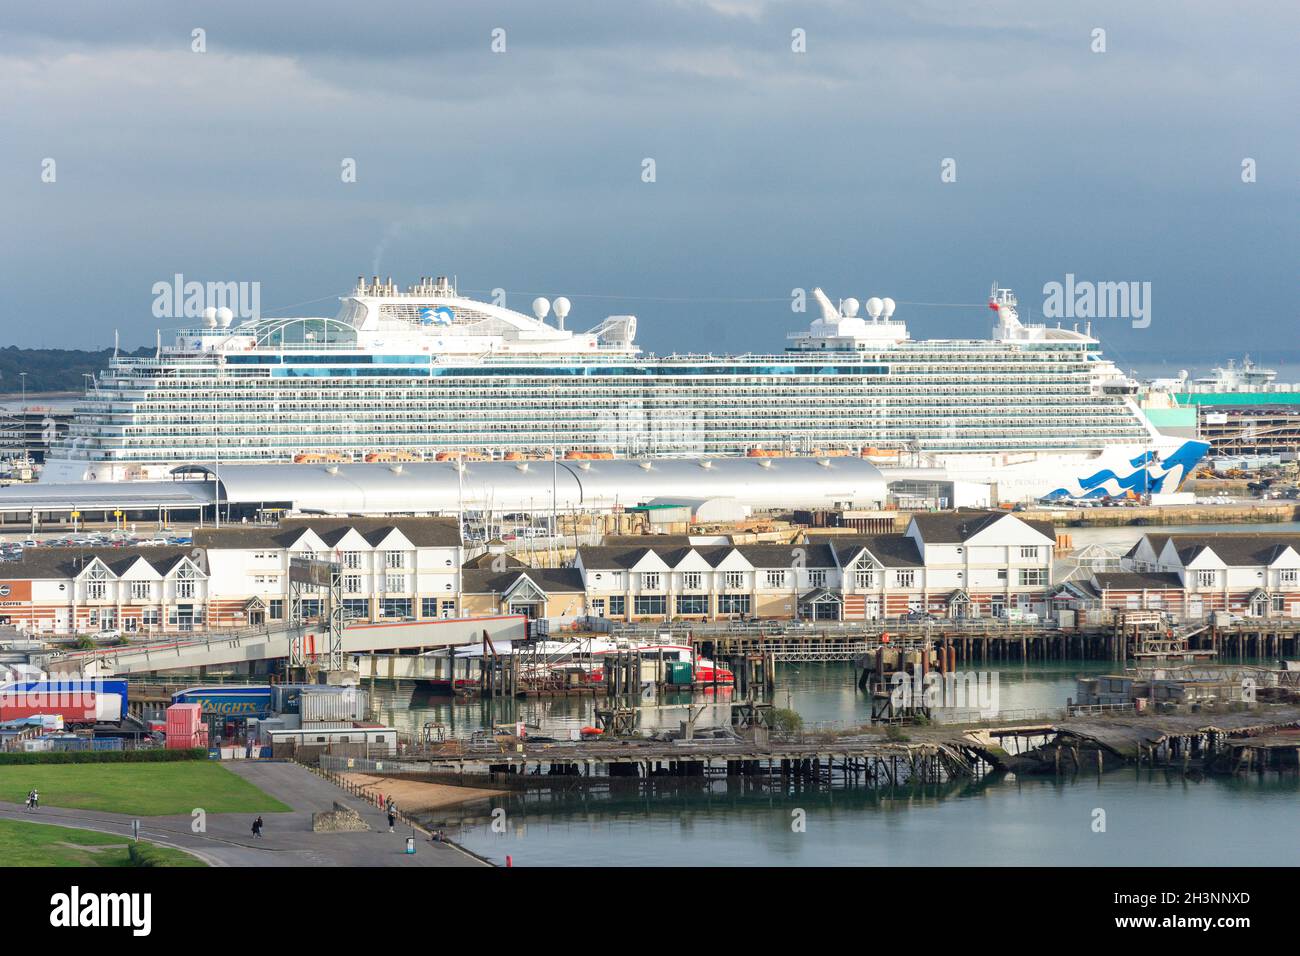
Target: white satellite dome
889, 305
561, 310
225, 316
210, 317
874, 307
849, 308
541, 308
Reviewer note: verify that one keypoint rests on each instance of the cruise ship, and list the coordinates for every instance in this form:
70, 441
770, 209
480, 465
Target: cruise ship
426, 373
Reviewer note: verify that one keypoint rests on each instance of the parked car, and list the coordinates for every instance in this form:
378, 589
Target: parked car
108, 634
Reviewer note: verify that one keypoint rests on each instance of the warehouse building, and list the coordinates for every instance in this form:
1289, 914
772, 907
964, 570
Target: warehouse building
704, 488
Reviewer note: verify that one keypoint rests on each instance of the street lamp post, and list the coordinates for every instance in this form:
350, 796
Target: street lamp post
22, 415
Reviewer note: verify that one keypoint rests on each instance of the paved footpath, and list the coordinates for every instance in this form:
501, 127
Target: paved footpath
287, 838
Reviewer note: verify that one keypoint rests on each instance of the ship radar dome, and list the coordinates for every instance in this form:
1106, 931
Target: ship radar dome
849, 308
874, 307
541, 308
210, 317
561, 306
224, 317
889, 306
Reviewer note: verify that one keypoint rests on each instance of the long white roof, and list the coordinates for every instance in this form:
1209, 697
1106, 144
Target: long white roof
505, 486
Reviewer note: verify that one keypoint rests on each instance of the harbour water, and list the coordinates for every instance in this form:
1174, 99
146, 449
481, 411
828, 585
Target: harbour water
1151, 817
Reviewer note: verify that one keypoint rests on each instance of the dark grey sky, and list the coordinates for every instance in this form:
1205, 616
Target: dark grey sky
774, 169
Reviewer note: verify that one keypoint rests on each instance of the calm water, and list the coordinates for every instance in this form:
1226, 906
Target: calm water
1151, 817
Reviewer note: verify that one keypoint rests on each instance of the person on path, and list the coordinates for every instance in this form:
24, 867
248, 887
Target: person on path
31, 800
392, 819
257, 828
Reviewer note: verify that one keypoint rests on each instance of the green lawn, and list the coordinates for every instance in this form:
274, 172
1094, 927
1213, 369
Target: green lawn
34, 844
140, 789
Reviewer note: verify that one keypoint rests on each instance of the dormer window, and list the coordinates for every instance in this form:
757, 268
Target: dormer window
96, 584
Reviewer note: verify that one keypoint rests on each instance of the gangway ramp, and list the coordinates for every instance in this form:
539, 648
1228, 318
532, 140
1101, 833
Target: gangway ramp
358, 638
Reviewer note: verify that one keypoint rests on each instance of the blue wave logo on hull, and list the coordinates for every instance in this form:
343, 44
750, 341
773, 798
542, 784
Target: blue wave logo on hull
1149, 475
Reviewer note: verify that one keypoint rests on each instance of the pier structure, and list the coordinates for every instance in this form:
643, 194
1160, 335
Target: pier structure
985, 642
1216, 743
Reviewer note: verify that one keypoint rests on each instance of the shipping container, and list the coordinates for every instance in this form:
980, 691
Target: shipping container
184, 742
184, 720
349, 704
327, 699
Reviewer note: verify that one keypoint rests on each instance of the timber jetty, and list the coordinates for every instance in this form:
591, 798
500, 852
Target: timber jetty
1205, 742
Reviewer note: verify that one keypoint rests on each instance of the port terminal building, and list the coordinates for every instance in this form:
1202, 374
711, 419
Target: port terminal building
708, 488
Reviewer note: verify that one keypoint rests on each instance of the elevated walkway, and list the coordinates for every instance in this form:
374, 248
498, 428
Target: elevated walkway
358, 638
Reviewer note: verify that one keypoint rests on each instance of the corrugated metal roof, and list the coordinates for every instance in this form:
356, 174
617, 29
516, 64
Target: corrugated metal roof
106, 495
504, 486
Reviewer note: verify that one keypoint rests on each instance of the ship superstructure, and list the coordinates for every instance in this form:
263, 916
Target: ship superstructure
426, 373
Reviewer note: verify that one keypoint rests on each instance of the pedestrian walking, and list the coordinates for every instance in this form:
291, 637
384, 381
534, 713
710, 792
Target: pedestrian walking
392, 819
257, 828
